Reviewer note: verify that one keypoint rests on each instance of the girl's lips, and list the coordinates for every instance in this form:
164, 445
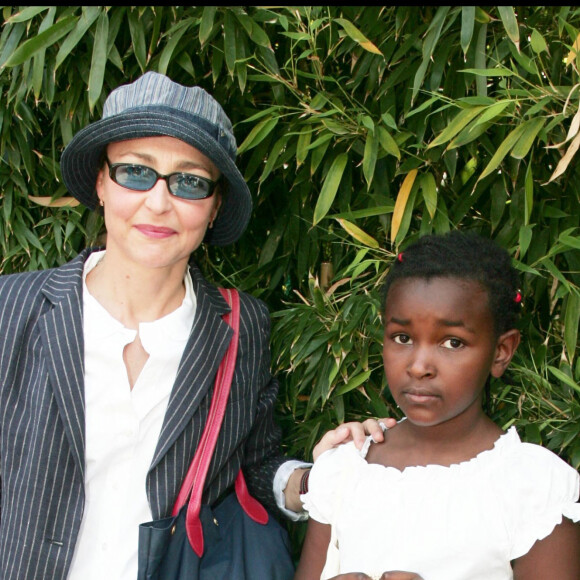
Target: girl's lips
420, 397
155, 231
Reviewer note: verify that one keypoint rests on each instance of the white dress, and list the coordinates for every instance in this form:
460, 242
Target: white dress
463, 522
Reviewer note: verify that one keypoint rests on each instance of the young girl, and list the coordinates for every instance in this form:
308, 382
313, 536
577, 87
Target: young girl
448, 495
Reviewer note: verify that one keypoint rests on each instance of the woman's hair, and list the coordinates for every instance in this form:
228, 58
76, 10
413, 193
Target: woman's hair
466, 256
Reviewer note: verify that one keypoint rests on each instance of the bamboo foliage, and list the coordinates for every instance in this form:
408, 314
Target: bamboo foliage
359, 128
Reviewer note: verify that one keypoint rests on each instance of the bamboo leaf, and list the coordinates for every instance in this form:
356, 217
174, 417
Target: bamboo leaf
401, 202
561, 376
88, 17
570, 241
489, 72
388, 143
460, 120
502, 151
206, 24
571, 321
138, 37
26, 14
302, 145
38, 60
41, 42
230, 42
358, 234
530, 130
172, 43
370, 156
258, 134
330, 187
99, 60
467, 25
565, 161
525, 238
429, 189
510, 24
353, 383
538, 43
529, 191
357, 35
48, 201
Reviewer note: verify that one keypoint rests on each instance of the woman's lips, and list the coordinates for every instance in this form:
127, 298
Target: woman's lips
155, 231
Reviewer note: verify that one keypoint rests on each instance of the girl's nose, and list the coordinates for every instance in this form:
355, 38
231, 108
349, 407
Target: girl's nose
421, 364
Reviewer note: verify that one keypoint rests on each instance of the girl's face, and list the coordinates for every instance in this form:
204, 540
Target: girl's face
153, 228
440, 347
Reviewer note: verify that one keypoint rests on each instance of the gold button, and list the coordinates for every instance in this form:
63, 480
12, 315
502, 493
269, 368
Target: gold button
216, 522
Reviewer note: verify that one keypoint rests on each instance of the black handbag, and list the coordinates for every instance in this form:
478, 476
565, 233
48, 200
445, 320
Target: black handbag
235, 540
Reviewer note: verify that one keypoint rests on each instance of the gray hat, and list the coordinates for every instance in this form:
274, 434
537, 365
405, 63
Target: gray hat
153, 106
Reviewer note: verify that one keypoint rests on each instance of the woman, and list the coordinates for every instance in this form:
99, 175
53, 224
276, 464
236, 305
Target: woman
107, 361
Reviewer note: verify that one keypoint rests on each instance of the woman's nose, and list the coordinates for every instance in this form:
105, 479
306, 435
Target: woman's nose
158, 197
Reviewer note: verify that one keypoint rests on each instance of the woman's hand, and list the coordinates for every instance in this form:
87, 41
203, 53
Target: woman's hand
353, 431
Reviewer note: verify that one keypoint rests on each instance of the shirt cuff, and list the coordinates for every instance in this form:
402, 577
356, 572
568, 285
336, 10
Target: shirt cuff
281, 481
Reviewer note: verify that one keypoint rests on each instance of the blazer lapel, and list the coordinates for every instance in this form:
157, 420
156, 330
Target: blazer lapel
61, 330
206, 346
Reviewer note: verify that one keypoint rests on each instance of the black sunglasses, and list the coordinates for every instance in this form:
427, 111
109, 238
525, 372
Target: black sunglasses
143, 178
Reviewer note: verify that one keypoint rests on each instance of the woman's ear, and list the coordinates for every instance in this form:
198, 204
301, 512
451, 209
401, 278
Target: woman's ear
507, 345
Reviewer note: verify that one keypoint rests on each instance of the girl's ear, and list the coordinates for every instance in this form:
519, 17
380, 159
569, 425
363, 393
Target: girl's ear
506, 346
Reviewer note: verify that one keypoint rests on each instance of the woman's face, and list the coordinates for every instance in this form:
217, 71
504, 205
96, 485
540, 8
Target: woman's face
153, 228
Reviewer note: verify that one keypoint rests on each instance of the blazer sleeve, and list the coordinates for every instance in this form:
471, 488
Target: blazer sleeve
262, 447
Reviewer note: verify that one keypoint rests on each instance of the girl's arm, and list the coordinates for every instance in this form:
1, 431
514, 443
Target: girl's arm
314, 550
556, 556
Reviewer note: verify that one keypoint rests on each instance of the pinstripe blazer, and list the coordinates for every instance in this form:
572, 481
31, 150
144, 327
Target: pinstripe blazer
42, 427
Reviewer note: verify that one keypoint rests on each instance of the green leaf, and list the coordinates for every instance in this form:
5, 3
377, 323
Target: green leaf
467, 25
525, 237
489, 72
388, 143
571, 321
38, 59
530, 130
460, 120
99, 60
26, 14
358, 234
561, 376
172, 44
206, 24
570, 241
502, 151
138, 37
510, 23
529, 193
41, 42
353, 383
88, 17
230, 42
302, 145
330, 187
258, 134
537, 42
357, 35
429, 189
370, 156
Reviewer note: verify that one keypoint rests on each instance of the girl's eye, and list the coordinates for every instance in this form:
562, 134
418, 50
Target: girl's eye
402, 339
453, 343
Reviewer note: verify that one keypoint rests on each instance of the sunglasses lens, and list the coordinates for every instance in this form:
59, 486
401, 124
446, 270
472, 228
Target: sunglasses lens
136, 177
188, 186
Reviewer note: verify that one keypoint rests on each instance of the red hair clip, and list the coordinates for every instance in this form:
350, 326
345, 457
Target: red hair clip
518, 297
400, 257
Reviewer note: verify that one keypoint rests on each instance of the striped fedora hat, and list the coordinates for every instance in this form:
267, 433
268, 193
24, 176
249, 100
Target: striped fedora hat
153, 106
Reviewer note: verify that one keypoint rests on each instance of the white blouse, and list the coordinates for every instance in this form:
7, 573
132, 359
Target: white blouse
462, 522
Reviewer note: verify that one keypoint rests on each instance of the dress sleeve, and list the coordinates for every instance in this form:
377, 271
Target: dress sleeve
328, 480
540, 489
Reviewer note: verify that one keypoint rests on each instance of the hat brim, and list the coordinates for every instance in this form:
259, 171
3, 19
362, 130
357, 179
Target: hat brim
81, 159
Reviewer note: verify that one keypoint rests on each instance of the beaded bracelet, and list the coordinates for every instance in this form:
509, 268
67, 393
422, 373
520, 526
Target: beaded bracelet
304, 482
